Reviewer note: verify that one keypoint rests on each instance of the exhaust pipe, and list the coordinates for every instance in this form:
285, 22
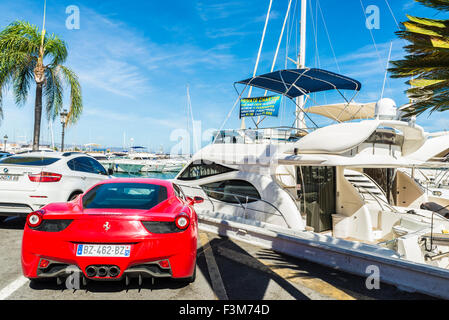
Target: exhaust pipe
114, 271
91, 271
102, 272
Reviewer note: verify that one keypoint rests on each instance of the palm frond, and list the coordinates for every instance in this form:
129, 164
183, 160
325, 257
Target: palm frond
23, 77
56, 48
436, 4
53, 92
426, 62
76, 101
20, 36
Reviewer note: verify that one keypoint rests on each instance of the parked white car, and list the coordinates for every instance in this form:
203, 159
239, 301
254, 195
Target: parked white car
28, 181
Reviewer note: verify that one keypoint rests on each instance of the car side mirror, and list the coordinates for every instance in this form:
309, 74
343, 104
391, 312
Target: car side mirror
198, 200
194, 200
110, 171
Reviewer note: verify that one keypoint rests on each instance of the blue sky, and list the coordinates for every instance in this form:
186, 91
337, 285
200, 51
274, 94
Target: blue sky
135, 59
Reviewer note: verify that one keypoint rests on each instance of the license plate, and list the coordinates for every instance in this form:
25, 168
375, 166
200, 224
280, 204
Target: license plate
103, 250
9, 177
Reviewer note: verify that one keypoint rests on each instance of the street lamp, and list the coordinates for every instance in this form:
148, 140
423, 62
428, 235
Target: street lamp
5, 138
63, 115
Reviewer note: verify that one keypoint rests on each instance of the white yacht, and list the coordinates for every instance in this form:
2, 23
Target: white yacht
338, 184
128, 165
174, 164
150, 161
338, 195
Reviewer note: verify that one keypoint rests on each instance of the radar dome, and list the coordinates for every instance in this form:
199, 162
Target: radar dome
385, 109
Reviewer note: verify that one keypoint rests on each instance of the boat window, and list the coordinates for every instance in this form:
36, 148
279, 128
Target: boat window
29, 161
383, 136
203, 169
232, 191
143, 196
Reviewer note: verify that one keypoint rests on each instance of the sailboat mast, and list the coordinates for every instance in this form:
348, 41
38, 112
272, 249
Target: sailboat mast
301, 63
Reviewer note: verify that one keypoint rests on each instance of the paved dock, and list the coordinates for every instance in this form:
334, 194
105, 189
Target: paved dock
226, 269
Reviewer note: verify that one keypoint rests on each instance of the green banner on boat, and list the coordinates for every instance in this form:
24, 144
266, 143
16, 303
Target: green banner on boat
260, 106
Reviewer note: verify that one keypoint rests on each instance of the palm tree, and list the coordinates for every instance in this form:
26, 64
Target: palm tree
26, 55
427, 62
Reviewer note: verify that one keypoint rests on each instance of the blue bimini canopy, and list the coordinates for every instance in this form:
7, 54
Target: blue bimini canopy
293, 83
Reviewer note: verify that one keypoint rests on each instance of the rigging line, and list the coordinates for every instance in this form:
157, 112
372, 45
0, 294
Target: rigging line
258, 54
386, 70
372, 38
394, 18
315, 34
328, 36
392, 14
229, 114
371, 33
280, 40
277, 51
290, 25
292, 22
261, 44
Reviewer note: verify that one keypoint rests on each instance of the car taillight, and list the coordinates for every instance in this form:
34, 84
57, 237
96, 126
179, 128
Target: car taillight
182, 221
34, 219
45, 177
160, 226
53, 225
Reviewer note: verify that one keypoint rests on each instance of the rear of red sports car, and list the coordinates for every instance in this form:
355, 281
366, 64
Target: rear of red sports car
119, 229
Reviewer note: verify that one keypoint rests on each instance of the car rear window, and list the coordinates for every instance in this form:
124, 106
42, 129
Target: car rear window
29, 161
141, 196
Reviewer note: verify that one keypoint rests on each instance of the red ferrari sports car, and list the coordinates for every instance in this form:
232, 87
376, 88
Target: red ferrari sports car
120, 228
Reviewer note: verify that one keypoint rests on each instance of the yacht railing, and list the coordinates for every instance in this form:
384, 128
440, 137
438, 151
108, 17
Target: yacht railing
260, 135
378, 199
238, 197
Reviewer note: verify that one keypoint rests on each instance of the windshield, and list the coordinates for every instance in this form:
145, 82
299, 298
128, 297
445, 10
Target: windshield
141, 196
29, 161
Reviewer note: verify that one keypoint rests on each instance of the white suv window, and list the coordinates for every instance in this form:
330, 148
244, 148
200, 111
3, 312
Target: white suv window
86, 164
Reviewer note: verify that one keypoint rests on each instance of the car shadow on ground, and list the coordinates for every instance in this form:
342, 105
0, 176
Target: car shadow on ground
12, 223
110, 286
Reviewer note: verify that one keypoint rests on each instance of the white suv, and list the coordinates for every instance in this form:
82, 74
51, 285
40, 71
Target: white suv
28, 181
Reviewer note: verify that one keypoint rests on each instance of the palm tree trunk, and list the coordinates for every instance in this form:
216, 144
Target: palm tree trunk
37, 116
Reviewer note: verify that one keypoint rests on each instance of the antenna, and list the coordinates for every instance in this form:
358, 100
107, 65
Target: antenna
43, 23
40, 60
